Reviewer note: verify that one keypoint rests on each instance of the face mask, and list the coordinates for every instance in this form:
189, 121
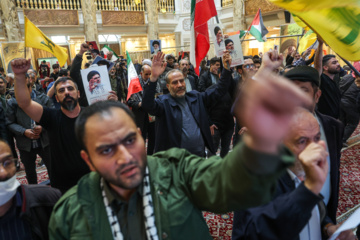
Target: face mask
8, 189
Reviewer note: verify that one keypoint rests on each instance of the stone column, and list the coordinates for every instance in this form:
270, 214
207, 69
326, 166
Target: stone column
239, 19
153, 19
10, 20
89, 16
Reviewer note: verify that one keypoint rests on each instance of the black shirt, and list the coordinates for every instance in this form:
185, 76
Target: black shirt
54, 76
67, 166
329, 102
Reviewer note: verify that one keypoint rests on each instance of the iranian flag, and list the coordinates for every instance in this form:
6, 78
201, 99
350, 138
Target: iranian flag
257, 28
201, 12
106, 49
134, 85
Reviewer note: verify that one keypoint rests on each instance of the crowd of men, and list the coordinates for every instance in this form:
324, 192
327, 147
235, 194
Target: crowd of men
144, 166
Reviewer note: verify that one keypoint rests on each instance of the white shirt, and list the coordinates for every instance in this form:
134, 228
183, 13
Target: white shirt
312, 230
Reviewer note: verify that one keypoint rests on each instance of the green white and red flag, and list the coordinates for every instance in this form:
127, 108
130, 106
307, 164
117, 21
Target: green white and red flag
201, 12
257, 28
134, 85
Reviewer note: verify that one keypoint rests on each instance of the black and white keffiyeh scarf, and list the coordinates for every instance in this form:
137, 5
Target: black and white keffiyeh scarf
148, 208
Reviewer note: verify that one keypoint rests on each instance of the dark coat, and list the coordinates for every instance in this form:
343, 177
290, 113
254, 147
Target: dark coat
3, 131
141, 116
37, 204
169, 117
334, 131
205, 81
281, 219
18, 121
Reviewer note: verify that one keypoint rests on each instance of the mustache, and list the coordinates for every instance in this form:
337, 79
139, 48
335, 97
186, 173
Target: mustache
181, 88
69, 97
126, 165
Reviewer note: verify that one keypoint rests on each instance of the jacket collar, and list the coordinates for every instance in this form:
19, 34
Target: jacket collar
190, 97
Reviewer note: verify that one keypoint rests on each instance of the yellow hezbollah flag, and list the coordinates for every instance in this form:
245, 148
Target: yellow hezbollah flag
35, 38
307, 40
336, 21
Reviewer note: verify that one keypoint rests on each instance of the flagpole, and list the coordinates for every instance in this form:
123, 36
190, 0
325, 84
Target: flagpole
241, 41
350, 65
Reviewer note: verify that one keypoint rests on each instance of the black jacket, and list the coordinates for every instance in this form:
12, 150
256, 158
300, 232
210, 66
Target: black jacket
169, 118
349, 91
3, 131
334, 131
281, 219
205, 81
37, 204
220, 113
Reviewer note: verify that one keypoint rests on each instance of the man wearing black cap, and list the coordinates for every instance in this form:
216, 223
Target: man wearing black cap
307, 78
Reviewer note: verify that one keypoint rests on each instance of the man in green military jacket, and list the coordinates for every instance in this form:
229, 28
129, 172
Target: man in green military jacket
133, 196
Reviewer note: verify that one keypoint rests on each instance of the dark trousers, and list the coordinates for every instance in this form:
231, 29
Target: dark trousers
349, 116
148, 132
29, 158
225, 137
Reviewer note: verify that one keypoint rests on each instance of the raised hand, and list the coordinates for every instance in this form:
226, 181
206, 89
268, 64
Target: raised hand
272, 60
112, 96
83, 48
158, 66
265, 107
313, 159
226, 58
20, 66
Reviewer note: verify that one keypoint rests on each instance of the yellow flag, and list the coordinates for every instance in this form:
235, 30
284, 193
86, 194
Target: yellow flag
307, 40
35, 38
336, 21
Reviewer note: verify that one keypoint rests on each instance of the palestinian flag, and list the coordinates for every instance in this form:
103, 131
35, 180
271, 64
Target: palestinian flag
134, 85
106, 49
240, 32
257, 28
201, 12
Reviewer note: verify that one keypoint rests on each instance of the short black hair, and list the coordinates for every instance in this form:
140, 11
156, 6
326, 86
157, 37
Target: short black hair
55, 65
168, 57
217, 29
326, 58
64, 79
214, 60
96, 108
257, 60
95, 51
2, 69
92, 74
63, 72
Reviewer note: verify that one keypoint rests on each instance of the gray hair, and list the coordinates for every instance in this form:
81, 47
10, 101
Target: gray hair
171, 72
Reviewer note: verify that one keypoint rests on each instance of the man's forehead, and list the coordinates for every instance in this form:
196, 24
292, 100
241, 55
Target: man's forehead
4, 150
176, 76
65, 84
247, 61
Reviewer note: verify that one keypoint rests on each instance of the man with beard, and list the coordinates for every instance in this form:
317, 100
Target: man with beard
133, 196
31, 138
116, 84
229, 45
189, 80
182, 119
24, 209
329, 69
210, 77
66, 164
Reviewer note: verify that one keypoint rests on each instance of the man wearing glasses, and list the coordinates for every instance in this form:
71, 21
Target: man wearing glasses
24, 209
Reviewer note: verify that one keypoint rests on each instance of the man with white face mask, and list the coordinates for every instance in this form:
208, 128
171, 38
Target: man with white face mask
24, 209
